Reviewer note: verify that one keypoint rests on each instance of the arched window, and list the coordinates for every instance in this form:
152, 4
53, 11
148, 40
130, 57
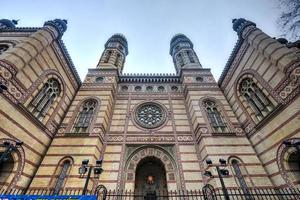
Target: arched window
117, 59
239, 175
255, 98
190, 56
3, 47
62, 176
214, 116
107, 56
180, 59
45, 98
85, 116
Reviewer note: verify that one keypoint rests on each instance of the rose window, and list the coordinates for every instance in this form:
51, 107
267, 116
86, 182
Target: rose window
150, 115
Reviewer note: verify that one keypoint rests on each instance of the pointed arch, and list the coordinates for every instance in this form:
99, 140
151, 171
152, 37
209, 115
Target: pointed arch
61, 174
240, 174
118, 59
107, 56
190, 55
84, 115
180, 59
45, 98
37, 86
134, 158
256, 97
215, 115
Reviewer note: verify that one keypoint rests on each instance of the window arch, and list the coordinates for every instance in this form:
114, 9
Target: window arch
214, 116
288, 161
239, 173
180, 59
45, 98
12, 164
256, 98
107, 56
85, 116
63, 173
190, 56
3, 47
118, 57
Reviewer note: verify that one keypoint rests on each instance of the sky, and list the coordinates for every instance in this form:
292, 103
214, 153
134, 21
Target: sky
148, 26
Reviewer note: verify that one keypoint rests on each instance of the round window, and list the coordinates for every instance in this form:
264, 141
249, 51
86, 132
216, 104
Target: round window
150, 115
199, 79
138, 88
149, 88
124, 88
174, 88
161, 88
99, 79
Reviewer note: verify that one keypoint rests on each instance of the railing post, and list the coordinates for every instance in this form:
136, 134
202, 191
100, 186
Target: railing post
87, 181
225, 192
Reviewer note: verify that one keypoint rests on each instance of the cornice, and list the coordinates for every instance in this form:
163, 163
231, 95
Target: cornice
61, 44
149, 78
230, 60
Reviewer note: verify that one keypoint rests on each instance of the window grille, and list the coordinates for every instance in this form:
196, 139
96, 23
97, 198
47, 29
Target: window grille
239, 175
256, 98
190, 56
62, 176
85, 116
180, 59
107, 56
45, 98
117, 60
214, 116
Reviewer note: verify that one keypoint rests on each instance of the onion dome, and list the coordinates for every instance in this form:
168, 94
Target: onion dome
120, 38
179, 38
6, 23
240, 24
59, 24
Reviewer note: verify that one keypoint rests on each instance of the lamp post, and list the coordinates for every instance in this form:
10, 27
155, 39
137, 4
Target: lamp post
88, 168
221, 172
10, 147
2, 88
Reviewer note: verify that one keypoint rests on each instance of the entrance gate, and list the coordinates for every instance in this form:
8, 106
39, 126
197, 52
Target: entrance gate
150, 178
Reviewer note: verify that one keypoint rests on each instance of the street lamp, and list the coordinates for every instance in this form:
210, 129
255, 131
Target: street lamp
221, 173
86, 167
10, 147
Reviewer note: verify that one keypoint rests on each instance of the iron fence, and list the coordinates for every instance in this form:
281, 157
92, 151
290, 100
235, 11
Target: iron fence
234, 194
46, 191
103, 194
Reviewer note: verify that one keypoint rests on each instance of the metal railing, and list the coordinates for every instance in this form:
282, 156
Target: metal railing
234, 194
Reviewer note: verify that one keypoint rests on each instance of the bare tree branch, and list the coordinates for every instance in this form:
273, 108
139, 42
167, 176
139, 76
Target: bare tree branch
289, 20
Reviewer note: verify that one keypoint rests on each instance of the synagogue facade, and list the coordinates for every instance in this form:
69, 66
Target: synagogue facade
162, 129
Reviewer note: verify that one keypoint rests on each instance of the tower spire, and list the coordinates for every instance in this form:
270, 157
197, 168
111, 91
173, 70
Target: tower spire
115, 52
184, 56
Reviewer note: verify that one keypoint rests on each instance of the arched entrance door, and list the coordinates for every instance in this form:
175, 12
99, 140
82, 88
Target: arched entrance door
293, 167
150, 177
6, 168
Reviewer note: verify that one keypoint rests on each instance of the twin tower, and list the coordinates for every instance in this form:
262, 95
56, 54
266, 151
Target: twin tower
181, 49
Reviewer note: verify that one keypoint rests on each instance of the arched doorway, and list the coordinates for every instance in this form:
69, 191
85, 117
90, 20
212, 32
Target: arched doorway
288, 160
293, 166
6, 168
150, 176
